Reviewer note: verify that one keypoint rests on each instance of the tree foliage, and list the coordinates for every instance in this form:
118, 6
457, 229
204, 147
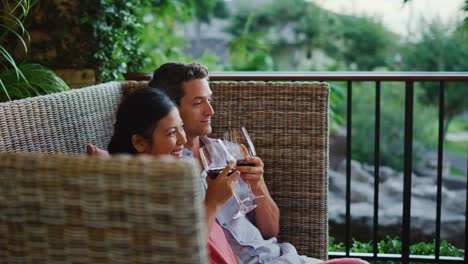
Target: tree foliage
204, 11
248, 50
115, 25
365, 43
392, 114
465, 8
163, 37
440, 49
303, 27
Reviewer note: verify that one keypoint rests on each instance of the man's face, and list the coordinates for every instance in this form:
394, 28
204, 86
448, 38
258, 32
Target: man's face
195, 108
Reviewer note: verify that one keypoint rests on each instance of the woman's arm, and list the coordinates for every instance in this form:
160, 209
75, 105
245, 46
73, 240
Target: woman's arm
218, 192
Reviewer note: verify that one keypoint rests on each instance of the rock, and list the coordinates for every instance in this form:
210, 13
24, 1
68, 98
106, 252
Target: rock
393, 188
337, 183
360, 191
337, 149
425, 191
454, 183
384, 172
358, 173
363, 211
423, 204
454, 201
428, 168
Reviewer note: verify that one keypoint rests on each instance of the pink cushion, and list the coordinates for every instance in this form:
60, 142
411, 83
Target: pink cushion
95, 151
218, 247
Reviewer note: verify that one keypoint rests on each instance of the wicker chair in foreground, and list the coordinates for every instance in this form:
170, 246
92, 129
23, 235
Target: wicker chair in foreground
78, 209
287, 121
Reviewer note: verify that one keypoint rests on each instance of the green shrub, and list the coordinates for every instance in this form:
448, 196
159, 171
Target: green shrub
391, 124
37, 80
393, 246
115, 26
161, 36
335, 246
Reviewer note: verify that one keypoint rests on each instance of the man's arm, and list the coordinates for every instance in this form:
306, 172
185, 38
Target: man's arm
267, 213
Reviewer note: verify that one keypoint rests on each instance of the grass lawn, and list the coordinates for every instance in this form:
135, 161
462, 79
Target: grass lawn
456, 172
458, 125
460, 147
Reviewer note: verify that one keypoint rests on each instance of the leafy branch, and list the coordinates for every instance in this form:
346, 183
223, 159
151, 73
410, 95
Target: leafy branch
11, 21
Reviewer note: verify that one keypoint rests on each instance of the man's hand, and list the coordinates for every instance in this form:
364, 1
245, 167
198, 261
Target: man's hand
267, 213
253, 174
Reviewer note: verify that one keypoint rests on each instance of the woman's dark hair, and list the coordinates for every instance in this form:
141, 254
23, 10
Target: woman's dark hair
138, 113
170, 76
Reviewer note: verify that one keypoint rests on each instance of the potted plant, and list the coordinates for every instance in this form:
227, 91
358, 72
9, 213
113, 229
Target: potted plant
19, 80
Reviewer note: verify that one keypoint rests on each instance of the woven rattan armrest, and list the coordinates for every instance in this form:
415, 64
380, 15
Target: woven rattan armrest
78, 209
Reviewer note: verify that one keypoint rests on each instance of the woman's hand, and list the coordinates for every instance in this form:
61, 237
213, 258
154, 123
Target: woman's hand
221, 188
218, 192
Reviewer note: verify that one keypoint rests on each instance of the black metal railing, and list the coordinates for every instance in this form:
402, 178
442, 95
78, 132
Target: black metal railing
409, 78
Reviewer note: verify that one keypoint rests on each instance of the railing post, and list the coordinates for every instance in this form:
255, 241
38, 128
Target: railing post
376, 167
348, 167
408, 164
440, 158
466, 215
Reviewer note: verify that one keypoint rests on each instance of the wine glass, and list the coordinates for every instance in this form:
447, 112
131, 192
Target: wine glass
215, 157
240, 145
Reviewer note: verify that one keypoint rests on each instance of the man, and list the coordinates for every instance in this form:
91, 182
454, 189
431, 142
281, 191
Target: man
251, 241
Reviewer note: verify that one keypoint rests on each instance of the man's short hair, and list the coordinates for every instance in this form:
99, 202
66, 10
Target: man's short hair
170, 76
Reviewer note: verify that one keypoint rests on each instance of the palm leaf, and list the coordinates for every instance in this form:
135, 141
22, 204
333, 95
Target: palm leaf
14, 23
11, 61
10, 22
37, 80
5, 91
13, 16
11, 75
24, 5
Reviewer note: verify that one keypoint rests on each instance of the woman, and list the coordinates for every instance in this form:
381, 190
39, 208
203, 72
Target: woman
149, 123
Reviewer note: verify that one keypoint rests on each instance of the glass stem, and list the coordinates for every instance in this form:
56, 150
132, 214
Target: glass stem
250, 189
237, 198
252, 195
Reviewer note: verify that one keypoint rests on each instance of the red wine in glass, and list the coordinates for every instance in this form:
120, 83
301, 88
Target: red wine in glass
244, 163
214, 172
215, 157
239, 143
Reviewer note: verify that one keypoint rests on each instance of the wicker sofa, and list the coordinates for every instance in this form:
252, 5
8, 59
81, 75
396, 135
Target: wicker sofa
57, 205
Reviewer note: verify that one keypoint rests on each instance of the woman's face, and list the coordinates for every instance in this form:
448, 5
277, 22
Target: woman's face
168, 136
